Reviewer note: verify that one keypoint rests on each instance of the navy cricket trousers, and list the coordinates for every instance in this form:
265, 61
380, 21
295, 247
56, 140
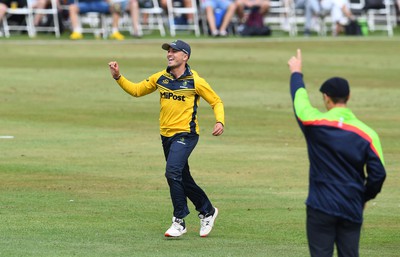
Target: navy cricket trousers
323, 231
177, 150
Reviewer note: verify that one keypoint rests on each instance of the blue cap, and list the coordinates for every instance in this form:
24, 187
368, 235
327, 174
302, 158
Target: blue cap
335, 87
177, 45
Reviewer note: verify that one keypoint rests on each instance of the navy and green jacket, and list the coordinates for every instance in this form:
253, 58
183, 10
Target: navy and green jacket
346, 160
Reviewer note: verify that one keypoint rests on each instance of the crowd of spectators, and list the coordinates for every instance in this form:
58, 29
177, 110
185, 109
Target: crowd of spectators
218, 15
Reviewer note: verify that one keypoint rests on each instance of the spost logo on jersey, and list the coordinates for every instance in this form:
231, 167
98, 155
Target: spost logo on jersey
170, 95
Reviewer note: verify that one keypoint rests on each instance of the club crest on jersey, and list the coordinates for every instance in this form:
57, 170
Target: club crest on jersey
184, 84
165, 81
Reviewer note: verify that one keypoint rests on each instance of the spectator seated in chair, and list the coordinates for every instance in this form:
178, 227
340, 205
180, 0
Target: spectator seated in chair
245, 7
5, 4
254, 24
340, 12
188, 18
36, 4
115, 7
228, 10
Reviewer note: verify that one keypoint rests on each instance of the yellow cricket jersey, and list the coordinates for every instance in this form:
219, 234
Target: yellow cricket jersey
179, 99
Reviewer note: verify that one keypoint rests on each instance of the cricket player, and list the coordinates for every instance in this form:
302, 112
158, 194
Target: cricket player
180, 89
346, 165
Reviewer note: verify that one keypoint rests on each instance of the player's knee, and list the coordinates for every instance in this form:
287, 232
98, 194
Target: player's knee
174, 174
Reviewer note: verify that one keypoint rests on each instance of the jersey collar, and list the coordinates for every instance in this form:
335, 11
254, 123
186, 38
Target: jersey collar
187, 72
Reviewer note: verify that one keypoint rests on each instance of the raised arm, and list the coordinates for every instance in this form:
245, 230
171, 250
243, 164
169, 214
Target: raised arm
135, 89
295, 62
114, 69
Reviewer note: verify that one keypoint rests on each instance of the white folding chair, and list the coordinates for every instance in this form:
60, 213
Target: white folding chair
281, 16
382, 19
154, 18
96, 23
28, 15
53, 11
90, 22
325, 24
319, 24
377, 19
175, 11
357, 6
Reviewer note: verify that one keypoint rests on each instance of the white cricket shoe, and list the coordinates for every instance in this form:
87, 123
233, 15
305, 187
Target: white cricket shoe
177, 228
207, 223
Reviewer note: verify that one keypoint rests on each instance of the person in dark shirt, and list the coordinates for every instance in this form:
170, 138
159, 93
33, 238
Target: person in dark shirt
346, 165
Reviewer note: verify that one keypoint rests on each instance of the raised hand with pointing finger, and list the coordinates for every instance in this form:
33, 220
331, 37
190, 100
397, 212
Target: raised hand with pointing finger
295, 62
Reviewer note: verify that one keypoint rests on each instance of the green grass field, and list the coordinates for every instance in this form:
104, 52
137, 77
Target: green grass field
84, 173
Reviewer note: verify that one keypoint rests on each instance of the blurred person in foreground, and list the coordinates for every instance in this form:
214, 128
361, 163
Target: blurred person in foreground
180, 89
346, 165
